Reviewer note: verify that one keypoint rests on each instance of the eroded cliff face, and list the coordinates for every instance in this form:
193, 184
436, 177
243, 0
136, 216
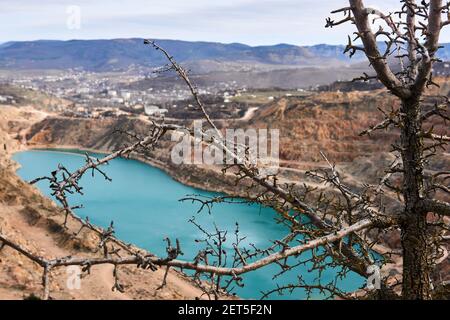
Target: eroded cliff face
331, 122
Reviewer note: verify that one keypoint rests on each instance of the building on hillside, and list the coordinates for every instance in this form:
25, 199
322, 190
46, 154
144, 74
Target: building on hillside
112, 93
126, 95
151, 110
7, 99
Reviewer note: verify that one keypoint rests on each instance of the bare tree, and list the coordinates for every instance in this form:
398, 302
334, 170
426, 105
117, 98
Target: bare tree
339, 228
412, 41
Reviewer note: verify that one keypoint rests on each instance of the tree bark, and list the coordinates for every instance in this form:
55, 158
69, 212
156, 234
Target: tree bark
416, 266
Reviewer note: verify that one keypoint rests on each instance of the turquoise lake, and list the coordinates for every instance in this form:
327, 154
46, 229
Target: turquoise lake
143, 202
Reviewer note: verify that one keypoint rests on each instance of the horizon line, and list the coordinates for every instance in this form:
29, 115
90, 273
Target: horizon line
181, 40
168, 39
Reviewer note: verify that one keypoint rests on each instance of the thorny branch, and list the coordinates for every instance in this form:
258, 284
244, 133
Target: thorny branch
318, 231
411, 42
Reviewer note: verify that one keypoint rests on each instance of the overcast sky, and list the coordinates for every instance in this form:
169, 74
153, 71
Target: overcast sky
254, 22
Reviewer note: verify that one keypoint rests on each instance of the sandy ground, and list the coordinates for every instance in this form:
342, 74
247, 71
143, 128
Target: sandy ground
95, 286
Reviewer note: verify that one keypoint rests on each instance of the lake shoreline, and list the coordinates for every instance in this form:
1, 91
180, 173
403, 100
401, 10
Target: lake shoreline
133, 156
378, 248
145, 225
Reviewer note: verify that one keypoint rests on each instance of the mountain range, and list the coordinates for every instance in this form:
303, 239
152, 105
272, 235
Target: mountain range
121, 54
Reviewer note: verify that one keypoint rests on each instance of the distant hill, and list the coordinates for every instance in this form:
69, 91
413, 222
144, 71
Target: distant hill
119, 54
122, 54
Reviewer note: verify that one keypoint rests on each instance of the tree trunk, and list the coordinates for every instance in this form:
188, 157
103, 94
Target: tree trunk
416, 271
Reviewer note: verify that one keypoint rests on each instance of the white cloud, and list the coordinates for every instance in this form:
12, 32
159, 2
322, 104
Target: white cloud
248, 21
